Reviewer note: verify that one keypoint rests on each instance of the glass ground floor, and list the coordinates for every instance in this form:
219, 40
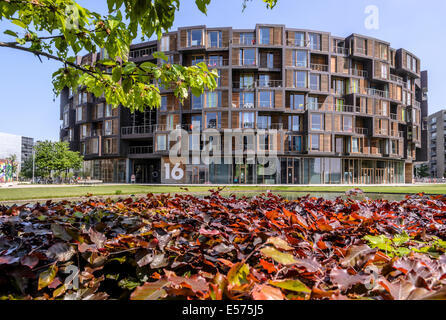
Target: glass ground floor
286, 170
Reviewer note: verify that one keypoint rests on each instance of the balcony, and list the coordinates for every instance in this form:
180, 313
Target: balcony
268, 84
344, 108
319, 67
397, 79
359, 73
393, 116
140, 150
258, 84
341, 50
137, 130
377, 93
361, 131
246, 41
297, 43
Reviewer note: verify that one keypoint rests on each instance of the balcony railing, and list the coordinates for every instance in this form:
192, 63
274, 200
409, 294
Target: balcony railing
344, 108
395, 78
362, 51
377, 93
359, 73
297, 43
362, 131
258, 84
244, 41
141, 150
135, 130
248, 62
269, 83
341, 50
319, 67
393, 116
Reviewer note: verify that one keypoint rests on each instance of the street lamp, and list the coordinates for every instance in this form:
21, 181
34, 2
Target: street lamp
34, 163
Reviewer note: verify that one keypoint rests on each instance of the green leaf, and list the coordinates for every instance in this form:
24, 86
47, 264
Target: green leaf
292, 285
19, 23
280, 257
160, 55
11, 33
116, 74
237, 275
129, 67
46, 277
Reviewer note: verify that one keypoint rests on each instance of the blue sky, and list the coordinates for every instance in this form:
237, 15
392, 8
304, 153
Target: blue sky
28, 106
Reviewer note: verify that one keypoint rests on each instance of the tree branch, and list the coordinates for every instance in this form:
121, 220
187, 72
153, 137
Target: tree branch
49, 56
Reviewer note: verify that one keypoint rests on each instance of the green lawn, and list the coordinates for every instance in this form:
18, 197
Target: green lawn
79, 191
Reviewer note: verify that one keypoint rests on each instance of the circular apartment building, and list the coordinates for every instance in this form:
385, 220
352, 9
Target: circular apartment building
292, 106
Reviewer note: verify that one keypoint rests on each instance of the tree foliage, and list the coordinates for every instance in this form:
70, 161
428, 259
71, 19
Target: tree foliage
62, 29
52, 158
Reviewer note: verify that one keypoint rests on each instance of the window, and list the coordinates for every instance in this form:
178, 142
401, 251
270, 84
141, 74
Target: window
196, 122
246, 81
247, 120
213, 99
313, 103
161, 142
295, 143
108, 146
165, 43
264, 81
94, 145
264, 122
299, 39
264, 36
315, 41
197, 102
315, 82
266, 99
294, 123
65, 119
247, 38
315, 145
383, 52
300, 58
338, 86
355, 145
83, 130
317, 122
215, 39
247, 100
247, 56
163, 106
197, 59
265, 142
354, 86
99, 110
348, 123
339, 106
108, 127
300, 79
215, 61
361, 46
385, 107
384, 71
297, 101
109, 110
82, 97
79, 114
194, 37
212, 120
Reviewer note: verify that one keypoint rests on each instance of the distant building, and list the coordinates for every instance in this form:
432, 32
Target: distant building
11, 144
436, 125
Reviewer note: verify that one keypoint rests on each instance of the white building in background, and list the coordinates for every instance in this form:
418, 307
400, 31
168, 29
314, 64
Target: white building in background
11, 144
